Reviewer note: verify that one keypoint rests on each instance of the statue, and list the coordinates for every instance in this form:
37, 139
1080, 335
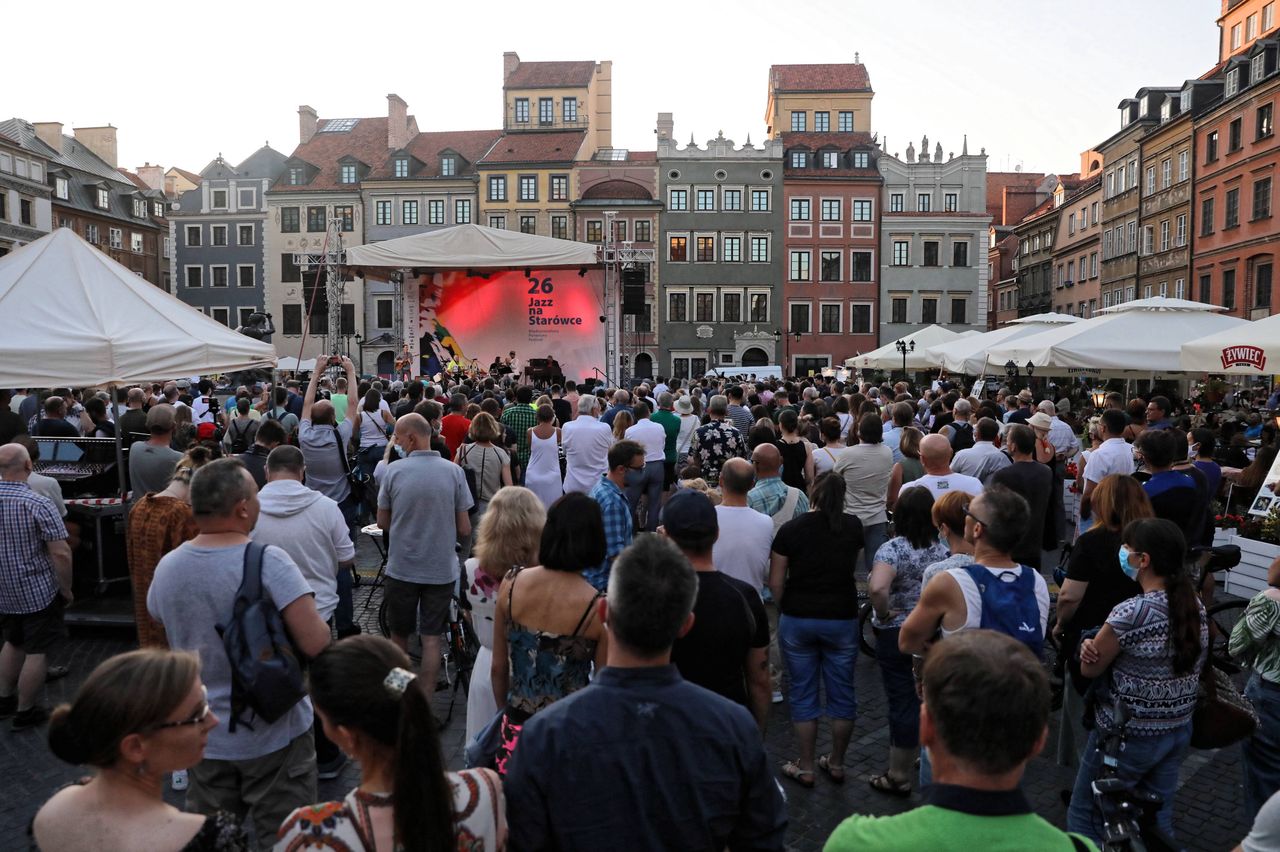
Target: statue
258, 327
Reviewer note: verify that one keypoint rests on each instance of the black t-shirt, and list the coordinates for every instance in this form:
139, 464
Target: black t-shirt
10, 425
820, 564
1095, 560
255, 461
728, 621
56, 428
564, 411
1034, 481
1202, 530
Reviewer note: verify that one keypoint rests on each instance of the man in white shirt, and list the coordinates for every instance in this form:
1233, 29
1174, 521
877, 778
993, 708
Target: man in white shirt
202, 408
1065, 443
901, 415
586, 443
984, 457
1114, 456
742, 550
939, 478
648, 482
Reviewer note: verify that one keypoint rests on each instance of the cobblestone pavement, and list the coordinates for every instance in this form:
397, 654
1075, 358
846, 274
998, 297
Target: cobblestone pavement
1208, 806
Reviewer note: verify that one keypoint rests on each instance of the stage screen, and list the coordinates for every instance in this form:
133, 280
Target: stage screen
471, 319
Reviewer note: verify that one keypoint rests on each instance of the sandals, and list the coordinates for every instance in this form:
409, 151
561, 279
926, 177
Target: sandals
791, 769
835, 773
885, 784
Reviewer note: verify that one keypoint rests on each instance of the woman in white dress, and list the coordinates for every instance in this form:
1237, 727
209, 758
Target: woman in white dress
508, 537
543, 474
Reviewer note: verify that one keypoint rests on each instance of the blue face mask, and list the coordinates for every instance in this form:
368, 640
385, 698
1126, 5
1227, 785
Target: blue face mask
400, 451
1129, 570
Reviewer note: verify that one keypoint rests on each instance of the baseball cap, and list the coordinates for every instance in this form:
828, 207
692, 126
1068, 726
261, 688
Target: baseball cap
689, 513
206, 431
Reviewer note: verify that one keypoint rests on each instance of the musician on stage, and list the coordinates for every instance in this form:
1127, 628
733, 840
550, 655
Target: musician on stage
514, 363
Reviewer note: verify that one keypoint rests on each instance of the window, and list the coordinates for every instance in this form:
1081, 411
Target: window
383, 309
381, 213
959, 311
289, 224
135, 239
1070, 275
678, 249
448, 166
217, 276
217, 235
928, 311
290, 273
297, 177
435, 212
1132, 244
799, 210
861, 159
798, 121
677, 199
620, 230
960, 253
61, 188
800, 265
1151, 179
895, 202
831, 209
400, 167
1206, 289
1182, 165
220, 315
861, 210
497, 187
1251, 27
822, 122
705, 199
1263, 120
195, 276
731, 307
731, 250
595, 231
291, 323
951, 202
1262, 198
498, 222
860, 266
759, 307
1206, 217
1071, 224
800, 318
1179, 289
559, 188
193, 232
704, 307
1232, 84
1131, 176
902, 253
930, 253
830, 160
1165, 234
560, 227
1229, 289
830, 268
760, 201
1181, 238
1211, 147
316, 218
347, 173
546, 110
219, 199
899, 310
522, 110
677, 307
844, 121
1262, 285
528, 187
569, 110
462, 211
759, 249
731, 199
528, 224
408, 212
115, 238
1093, 213
244, 235
1268, 16
1234, 142
642, 230
1166, 173
104, 199
1231, 215
860, 319
705, 249
167, 247
924, 202
245, 276
799, 159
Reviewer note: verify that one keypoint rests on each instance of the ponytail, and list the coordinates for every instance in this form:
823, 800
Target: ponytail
422, 807
1164, 544
827, 497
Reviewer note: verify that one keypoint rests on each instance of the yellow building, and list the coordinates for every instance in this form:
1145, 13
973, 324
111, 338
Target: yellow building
818, 99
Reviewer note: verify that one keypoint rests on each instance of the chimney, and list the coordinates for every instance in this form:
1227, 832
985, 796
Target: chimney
50, 133
397, 122
510, 61
171, 185
306, 124
99, 140
666, 127
152, 176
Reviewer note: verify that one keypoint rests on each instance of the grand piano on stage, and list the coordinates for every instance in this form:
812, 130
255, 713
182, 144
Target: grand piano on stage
545, 371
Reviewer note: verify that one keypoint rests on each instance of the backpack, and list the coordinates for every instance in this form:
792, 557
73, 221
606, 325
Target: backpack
961, 436
1010, 608
239, 438
266, 677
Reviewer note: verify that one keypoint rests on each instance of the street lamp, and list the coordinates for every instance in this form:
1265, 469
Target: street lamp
1099, 397
360, 353
1031, 369
905, 346
777, 340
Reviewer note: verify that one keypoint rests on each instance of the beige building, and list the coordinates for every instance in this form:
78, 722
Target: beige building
818, 99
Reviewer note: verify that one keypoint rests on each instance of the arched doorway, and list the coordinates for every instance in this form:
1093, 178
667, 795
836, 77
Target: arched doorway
644, 366
386, 363
755, 357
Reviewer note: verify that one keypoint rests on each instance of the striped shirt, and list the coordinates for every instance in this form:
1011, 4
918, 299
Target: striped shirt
1256, 637
27, 520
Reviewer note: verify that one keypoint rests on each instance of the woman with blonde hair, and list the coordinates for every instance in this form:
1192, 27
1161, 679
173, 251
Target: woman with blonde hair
622, 421
909, 469
508, 537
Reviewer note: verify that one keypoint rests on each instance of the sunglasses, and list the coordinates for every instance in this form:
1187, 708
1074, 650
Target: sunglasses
202, 713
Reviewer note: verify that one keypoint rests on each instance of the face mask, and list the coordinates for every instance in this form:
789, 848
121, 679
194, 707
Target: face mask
1129, 570
942, 539
400, 451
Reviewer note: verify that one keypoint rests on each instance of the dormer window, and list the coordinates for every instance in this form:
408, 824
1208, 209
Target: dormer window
157, 209
1257, 67
830, 159
799, 159
61, 188
448, 166
1233, 83
347, 173
861, 159
401, 167
1185, 101
104, 199
1143, 105
296, 176
219, 201
1166, 110
139, 208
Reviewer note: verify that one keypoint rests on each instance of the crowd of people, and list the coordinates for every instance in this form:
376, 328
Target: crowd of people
650, 570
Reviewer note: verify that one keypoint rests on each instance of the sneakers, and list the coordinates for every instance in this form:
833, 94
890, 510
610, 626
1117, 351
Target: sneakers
32, 717
56, 673
8, 706
353, 630
180, 781
777, 696
332, 769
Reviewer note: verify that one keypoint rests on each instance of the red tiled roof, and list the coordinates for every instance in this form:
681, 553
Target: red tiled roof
848, 77
550, 147
366, 142
541, 75
843, 141
133, 178
642, 156
470, 145
1045, 207
191, 176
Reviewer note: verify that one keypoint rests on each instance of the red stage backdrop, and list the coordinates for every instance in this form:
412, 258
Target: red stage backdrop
548, 313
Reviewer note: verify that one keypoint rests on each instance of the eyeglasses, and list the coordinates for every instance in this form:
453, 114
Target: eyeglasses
976, 519
202, 713
636, 467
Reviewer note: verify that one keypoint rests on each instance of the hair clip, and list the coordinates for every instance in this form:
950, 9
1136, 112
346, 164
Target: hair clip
397, 681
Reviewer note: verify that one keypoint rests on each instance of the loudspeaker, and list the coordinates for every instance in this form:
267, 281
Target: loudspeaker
633, 292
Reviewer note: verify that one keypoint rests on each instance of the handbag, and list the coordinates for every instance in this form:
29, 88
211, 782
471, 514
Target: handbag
1223, 715
482, 751
356, 477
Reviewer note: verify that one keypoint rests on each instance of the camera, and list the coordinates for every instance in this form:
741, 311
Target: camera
334, 361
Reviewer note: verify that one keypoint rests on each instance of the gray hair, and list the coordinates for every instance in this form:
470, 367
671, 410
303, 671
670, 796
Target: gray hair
651, 592
1047, 407
621, 397
588, 404
719, 404
218, 486
665, 400
962, 408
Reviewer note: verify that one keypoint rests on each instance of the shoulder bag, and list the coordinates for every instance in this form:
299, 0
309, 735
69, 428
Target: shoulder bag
356, 478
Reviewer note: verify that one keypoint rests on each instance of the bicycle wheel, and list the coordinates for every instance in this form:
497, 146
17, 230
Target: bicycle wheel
866, 632
384, 621
1222, 620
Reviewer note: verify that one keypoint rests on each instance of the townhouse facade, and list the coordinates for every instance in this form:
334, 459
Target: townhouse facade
1002, 249
1034, 262
26, 213
1077, 252
1164, 261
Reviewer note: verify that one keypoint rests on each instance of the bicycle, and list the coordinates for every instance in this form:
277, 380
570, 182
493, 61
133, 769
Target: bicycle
1128, 814
459, 647
1222, 615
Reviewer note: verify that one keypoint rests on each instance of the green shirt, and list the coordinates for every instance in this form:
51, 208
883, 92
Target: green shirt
339, 401
1257, 636
520, 419
669, 421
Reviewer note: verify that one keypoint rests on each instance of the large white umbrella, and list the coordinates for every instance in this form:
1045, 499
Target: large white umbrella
968, 355
1244, 350
888, 357
1137, 339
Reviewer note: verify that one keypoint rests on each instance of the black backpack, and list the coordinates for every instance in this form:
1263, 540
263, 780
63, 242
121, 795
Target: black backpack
239, 438
961, 436
266, 677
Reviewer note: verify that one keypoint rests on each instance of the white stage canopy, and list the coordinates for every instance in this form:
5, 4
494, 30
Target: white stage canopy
968, 355
1136, 339
473, 247
291, 364
71, 316
888, 357
1248, 349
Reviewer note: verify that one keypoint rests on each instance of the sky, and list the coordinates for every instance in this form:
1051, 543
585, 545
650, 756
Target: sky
1034, 82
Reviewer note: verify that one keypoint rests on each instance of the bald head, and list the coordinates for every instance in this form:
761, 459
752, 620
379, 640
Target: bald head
322, 413
15, 463
413, 432
136, 398
736, 477
935, 454
767, 461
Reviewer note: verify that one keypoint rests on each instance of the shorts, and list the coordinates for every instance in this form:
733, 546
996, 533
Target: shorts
420, 606
35, 632
668, 474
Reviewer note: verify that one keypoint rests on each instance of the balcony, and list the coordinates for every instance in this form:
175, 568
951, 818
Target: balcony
555, 123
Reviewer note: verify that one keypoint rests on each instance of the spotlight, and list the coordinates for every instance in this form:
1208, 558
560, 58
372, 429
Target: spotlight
528, 273
603, 318
582, 273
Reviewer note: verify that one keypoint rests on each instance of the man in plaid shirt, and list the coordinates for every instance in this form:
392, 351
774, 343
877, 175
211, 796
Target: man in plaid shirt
520, 417
35, 579
625, 458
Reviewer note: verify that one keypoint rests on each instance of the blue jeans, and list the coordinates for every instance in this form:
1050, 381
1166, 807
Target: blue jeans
1262, 750
899, 688
813, 646
873, 535
647, 481
1151, 762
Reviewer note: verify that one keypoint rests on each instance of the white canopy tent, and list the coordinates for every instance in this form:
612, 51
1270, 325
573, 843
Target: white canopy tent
888, 357
1243, 350
291, 364
473, 246
968, 355
71, 316
1135, 340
